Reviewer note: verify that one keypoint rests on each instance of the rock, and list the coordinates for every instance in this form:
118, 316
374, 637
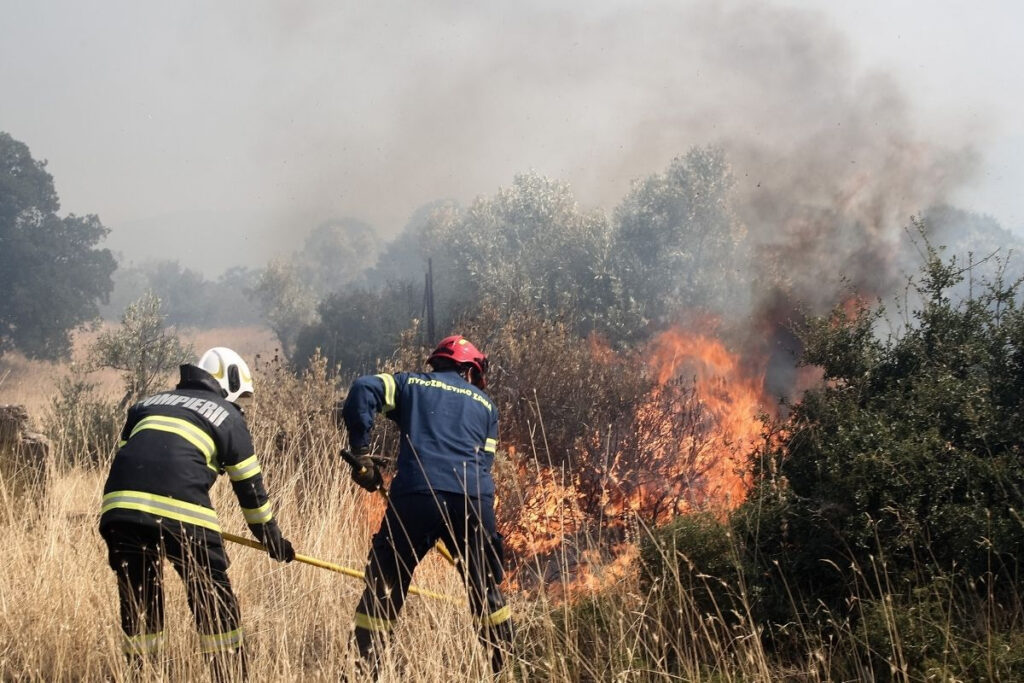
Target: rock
26, 450
13, 423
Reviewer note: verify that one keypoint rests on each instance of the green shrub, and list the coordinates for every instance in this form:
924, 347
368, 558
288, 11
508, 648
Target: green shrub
901, 469
598, 630
142, 349
359, 327
693, 554
82, 425
933, 634
694, 581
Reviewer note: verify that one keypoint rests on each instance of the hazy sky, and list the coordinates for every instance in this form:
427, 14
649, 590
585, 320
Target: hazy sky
220, 133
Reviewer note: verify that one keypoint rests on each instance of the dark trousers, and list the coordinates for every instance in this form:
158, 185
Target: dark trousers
136, 553
412, 524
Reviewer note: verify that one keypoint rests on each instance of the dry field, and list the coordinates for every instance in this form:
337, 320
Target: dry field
58, 606
33, 383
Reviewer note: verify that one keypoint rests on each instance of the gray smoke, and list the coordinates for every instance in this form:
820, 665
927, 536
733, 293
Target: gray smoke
458, 97
418, 101
320, 110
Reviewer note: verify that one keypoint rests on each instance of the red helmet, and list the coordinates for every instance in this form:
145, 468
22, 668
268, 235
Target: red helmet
457, 348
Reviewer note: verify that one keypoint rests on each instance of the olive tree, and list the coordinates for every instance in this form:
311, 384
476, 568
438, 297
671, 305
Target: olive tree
678, 245
142, 348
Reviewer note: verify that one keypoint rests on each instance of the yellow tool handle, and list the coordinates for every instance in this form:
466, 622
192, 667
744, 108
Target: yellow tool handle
439, 546
443, 549
354, 573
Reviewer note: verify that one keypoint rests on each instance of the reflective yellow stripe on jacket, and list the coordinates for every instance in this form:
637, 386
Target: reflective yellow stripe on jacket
186, 430
491, 445
389, 391
498, 617
161, 506
143, 644
246, 469
366, 622
260, 515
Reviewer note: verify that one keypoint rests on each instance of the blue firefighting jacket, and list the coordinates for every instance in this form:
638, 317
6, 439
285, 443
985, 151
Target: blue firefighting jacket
448, 429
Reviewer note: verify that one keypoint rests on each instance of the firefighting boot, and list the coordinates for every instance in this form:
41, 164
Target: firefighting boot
498, 641
369, 646
230, 666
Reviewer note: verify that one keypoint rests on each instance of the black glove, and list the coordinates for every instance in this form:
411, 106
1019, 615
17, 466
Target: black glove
364, 470
278, 547
366, 475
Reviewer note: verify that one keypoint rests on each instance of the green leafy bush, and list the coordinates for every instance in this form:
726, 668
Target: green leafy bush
142, 349
82, 424
694, 581
358, 327
901, 469
689, 555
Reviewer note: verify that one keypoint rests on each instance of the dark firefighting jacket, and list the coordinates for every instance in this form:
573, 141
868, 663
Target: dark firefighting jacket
448, 429
173, 447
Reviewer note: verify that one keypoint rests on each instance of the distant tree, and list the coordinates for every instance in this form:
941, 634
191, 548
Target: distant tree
973, 238
285, 302
405, 257
130, 282
51, 274
358, 327
143, 349
232, 304
529, 247
677, 244
336, 253
182, 293
187, 297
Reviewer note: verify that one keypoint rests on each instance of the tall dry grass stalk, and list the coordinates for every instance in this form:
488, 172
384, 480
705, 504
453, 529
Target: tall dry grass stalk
58, 604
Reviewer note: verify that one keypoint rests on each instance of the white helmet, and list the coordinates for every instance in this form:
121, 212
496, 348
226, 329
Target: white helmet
230, 371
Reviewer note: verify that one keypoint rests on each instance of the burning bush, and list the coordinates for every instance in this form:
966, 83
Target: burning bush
599, 441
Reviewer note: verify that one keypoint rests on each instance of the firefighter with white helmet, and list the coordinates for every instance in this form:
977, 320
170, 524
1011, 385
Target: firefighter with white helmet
156, 505
230, 371
443, 490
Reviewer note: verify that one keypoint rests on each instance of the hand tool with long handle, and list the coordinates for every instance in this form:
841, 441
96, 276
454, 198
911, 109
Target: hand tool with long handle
354, 573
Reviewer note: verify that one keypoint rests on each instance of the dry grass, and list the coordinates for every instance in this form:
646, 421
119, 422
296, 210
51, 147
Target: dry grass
59, 607
58, 603
32, 383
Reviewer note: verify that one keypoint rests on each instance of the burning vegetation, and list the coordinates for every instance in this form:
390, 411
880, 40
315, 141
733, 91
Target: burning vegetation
683, 446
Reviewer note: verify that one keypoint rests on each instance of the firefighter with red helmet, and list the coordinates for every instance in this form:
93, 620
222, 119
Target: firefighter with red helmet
443, 490
156, 505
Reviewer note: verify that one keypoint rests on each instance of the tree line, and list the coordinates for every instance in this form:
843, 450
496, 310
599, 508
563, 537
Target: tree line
673, 247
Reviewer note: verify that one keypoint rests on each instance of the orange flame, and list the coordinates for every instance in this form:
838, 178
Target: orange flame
730, 398
685, 449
